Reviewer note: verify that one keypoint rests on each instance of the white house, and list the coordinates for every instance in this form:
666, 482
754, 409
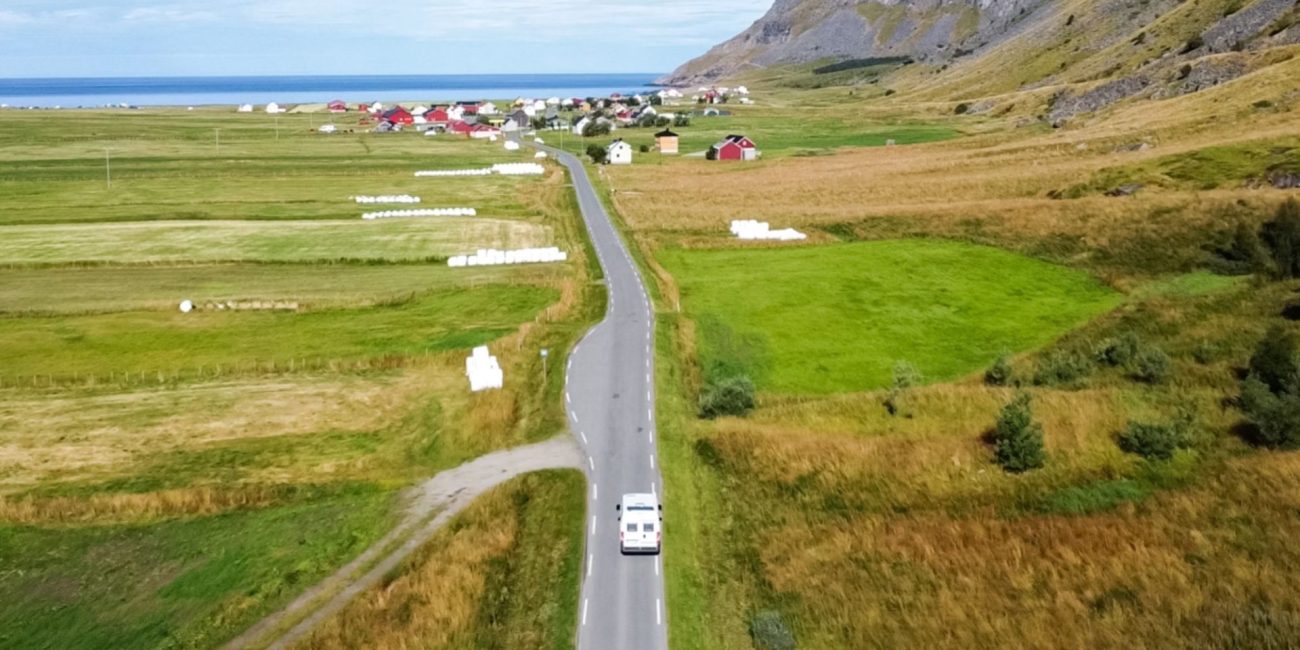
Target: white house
539, 106
488, 108
246, 108
619, 153
456, 113
581, 125
274, 108
530, 110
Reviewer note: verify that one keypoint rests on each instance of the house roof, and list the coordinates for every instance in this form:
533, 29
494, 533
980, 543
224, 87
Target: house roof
666, 134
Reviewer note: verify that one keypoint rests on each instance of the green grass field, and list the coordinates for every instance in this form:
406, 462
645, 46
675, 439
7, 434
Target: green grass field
175, 584
153, 341
838, 318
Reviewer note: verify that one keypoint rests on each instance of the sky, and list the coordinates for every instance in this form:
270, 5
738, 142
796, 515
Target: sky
134, 38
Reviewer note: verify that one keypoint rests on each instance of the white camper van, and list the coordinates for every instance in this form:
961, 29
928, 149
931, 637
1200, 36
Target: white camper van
640, 524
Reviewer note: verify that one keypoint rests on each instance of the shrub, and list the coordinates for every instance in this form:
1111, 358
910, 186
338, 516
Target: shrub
1118, 351
1276, 415
596, 128
1000, 373
1155, 441
682, 120
1018, 440
645, 148
962, 108
1061, 367
1151, 365
1283, 237
732, 396
663, 121
1274, 361
906, 376
1194, 43
597, 153
769, 631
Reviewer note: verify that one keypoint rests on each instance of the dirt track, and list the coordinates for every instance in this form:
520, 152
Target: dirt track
446, 495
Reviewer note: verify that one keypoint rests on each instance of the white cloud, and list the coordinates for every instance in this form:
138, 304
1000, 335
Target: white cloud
14, 18
168, 14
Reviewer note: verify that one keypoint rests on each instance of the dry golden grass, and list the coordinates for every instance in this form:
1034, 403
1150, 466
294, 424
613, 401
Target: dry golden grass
127, 508
993, 187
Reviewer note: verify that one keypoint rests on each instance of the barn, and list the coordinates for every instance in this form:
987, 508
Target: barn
338, 106
734, 147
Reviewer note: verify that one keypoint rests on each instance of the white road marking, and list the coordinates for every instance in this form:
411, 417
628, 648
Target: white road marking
593, 524
592, 463
585, 602
584, 437
653, 490
595, 492
648, 398
651, 435
567, 398
575, 417
659, 612
649, 413
657, 565
591, 560
652, 461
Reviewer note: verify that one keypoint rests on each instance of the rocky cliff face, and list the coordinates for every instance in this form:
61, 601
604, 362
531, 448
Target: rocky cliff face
804, 31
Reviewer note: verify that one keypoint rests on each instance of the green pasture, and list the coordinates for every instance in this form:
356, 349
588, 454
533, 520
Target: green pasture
827, 319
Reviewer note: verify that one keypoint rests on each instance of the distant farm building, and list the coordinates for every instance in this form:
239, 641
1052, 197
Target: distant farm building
734, 147
337, 106
399, 115
667, 141
619, 153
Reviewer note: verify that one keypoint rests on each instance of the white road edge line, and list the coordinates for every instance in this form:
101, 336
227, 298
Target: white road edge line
652, 489
585, 602
584, 437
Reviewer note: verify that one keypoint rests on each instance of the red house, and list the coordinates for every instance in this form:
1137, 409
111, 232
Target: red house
400, 115
337, 106
460, 127
734, 147
363, 108
437, 115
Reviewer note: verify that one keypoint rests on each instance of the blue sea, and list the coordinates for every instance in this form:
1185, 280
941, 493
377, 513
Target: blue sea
203, 91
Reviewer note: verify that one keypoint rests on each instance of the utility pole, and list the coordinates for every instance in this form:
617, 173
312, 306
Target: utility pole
108, 170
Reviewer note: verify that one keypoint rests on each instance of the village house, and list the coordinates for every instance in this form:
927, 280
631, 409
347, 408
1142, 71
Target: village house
488, 108
399, 115
519, 119
734, 147
618, 153
437, 116
484, 132
667, 142
337, 106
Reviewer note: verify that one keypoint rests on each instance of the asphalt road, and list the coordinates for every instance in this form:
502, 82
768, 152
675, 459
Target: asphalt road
609, 393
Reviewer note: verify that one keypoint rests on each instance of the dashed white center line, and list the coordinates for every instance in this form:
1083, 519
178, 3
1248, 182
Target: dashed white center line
593, 525
591, 561
649, 413
592, 463
584, 437
659, 612
585, 602
652, 461
651, 436
595, 491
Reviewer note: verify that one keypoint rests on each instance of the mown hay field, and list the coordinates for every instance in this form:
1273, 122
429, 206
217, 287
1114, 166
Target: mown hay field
167, 478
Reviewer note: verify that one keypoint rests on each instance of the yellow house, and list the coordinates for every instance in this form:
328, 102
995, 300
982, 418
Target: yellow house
667, 142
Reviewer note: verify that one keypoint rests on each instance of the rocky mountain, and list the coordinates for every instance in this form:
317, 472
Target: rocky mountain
1097, 51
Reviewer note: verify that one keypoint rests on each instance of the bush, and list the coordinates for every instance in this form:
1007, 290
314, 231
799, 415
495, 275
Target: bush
1119, 351
1000, 373
1155, 441
1283, 237
1274, 362
663, 121
769, 631
712, 154
1276, 416
597, 153
906, 376
645, 148
733, 396
1151, 365
962, 108
1061, 368
596, 128
1018, 440
682, 120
